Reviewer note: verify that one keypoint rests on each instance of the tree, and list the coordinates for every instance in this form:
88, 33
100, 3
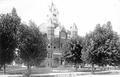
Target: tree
100, 46
72, 51
8, 38
32, 45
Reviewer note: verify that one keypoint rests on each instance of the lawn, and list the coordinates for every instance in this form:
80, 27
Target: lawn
22, 70
12, 70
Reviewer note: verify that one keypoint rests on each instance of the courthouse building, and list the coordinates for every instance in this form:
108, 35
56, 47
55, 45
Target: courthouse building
57, 35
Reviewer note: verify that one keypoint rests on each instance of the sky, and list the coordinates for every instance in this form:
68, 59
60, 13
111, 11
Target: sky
85, 13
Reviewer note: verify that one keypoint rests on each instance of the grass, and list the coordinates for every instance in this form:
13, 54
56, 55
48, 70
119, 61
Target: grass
83, 71
22, 70
33, 70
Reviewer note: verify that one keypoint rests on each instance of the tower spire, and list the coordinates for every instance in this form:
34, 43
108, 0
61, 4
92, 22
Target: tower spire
53, 15
14, 13
74, 31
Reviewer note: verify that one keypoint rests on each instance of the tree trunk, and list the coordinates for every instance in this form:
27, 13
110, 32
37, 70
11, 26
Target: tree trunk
4, 69
93, 68
76, 68
104, 68
28, 70
0, 67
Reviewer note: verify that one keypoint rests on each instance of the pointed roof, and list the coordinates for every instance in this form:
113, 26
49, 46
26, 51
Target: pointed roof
74, 27
14, 13
63, 29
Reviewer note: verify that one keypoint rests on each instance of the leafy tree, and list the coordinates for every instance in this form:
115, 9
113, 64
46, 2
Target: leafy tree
8, 37
32, 45
72, 51
100, 46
